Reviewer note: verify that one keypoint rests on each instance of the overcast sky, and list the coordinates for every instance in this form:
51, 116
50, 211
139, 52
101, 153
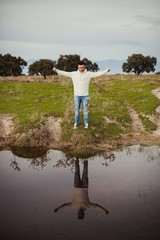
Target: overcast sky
98, 30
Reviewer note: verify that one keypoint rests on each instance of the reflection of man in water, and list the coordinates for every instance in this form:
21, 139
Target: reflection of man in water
80, 197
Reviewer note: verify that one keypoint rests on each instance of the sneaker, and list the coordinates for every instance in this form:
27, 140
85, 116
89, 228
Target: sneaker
75, 126
86, 125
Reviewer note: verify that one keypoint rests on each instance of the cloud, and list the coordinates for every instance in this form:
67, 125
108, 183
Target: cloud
91, 28
149, 20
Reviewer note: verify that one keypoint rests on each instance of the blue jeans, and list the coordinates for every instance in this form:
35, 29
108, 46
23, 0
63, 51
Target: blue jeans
81, 182
78, 100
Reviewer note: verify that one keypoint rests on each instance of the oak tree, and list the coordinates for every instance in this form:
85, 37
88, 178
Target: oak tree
41, 67
137, 63
70, 62
11, 65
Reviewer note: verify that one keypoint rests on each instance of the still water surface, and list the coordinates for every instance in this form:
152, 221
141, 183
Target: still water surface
119, 196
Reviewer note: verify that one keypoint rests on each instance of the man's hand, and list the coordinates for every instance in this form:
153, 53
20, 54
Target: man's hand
106, 211
54, 69
55, 210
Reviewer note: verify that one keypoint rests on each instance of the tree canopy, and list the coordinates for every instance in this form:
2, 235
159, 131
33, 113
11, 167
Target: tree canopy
138, 63
69, 63
11, 65
42, 67
93, 67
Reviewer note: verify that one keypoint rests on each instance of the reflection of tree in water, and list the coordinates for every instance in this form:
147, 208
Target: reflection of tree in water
14, 164
65, 162
108, 157
69, 162
39, 162
39, 158
149, 153
36, 156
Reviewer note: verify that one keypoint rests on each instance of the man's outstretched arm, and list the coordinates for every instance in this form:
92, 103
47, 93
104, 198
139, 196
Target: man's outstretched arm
62, 206
60, 72
98, 74
95, 205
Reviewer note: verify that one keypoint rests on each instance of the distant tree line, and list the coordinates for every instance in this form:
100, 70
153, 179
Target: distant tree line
13, 66
65, 62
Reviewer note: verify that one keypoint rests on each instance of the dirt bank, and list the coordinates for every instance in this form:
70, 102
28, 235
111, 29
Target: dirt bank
48, 134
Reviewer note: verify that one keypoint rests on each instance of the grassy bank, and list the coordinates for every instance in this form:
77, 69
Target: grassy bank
111, 97
31, 102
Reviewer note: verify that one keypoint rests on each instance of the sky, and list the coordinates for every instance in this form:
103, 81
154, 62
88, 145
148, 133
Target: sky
97, 30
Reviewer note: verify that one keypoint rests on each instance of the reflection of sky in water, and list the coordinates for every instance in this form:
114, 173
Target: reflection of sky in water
128, 186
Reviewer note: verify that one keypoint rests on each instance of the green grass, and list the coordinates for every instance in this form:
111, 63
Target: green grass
110, 96
148, 124
31, 102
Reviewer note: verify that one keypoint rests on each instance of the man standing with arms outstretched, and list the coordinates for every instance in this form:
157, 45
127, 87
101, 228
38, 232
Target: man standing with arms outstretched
81, 79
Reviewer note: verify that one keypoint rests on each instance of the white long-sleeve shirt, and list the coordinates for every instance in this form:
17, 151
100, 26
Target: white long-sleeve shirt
81, 80
81, 201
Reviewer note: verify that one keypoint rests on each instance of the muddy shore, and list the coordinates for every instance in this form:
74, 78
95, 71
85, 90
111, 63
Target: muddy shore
49, 137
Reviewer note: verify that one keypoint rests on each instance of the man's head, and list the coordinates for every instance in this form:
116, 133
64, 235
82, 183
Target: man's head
81, 214
81, 66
